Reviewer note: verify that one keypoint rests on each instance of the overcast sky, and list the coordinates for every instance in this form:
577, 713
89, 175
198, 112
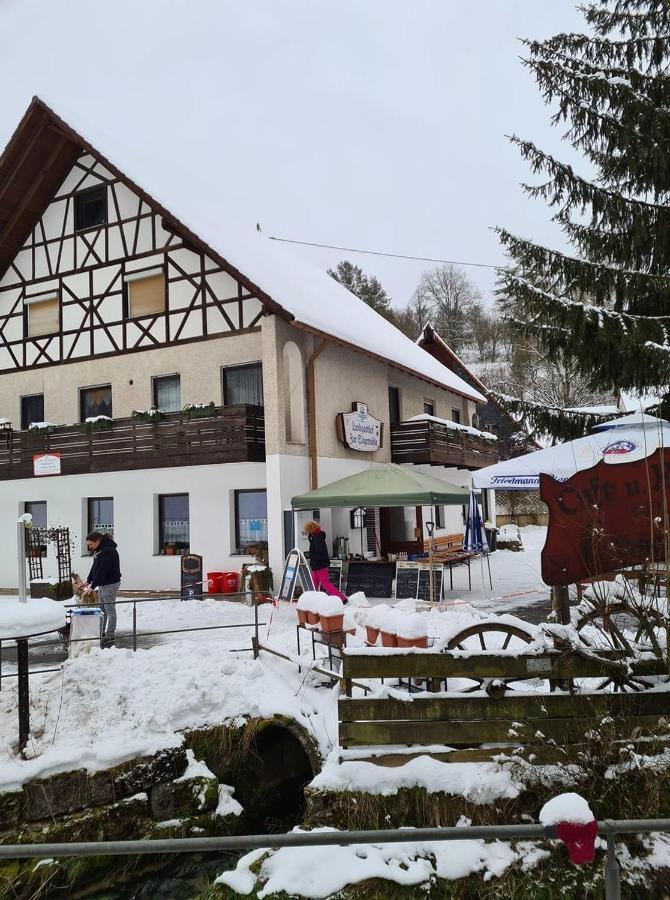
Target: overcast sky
365, 123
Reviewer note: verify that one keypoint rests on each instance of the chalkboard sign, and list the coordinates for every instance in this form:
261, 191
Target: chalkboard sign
191, 577
424, 583
335, 573
407, 580
296, 572
374, 579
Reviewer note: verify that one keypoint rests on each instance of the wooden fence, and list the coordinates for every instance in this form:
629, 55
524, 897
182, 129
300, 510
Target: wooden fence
541, 720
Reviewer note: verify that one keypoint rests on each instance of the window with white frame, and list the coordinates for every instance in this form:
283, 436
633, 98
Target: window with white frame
43, 315
146, 292
167, 393
173, 524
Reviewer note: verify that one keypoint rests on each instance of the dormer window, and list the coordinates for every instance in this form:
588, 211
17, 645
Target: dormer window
90, 208
42, 315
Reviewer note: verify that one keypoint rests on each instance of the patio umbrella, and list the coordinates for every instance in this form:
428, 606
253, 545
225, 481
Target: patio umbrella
474, 539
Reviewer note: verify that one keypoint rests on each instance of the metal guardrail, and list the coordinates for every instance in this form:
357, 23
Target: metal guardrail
608, 828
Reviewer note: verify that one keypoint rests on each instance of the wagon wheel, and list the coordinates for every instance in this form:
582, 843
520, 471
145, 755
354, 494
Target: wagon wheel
626, 628
500, 636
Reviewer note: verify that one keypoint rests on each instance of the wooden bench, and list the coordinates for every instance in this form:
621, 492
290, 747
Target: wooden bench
448, 551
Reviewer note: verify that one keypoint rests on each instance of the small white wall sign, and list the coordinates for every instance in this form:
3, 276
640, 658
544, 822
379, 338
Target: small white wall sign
358, 430
46, 464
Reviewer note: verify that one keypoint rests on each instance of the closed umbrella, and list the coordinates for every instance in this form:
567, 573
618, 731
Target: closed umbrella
474, 540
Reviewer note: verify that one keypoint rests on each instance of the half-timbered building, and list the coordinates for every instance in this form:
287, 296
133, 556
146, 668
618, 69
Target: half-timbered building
166, 376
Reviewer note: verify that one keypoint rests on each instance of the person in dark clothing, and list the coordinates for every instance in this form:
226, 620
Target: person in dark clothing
319, 560
105, 575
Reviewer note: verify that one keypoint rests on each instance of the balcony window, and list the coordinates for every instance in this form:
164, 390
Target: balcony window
101, 515
32, 410
43, 316
90, 208
146, 293
456, 416
394, 405
167, 393
251, 519
243, 384
173, 523
95, 401
428, 408
38, 510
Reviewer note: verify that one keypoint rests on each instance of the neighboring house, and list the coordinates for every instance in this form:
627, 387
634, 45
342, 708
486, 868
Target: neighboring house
489, 415
123, 287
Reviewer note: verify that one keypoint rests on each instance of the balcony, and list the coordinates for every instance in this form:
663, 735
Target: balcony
434, 444
233, 434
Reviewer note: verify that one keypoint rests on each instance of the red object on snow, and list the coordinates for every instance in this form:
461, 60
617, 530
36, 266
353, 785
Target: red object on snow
579, 839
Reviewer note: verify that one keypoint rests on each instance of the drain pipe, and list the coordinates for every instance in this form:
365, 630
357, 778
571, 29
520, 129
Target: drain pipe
311, 412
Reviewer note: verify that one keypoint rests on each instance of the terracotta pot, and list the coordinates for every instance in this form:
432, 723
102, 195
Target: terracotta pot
413, 642
372, 635
302, 616
388, 639
170, 551
332, 623
312, 618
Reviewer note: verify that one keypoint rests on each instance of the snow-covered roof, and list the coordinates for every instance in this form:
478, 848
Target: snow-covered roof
308, 294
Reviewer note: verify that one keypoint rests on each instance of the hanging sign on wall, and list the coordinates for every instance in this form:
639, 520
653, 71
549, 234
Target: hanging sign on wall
358, 430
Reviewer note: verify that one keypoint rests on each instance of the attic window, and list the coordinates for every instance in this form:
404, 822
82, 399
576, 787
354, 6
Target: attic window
90, 208
43, 316
146, 293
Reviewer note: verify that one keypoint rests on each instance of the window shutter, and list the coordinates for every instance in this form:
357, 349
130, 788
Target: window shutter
146, 296
43, 317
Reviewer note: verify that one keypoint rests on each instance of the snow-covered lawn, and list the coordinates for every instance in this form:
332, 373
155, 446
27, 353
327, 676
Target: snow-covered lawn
107, 706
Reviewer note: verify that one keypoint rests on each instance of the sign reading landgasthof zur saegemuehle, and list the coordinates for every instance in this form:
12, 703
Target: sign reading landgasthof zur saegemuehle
358, 430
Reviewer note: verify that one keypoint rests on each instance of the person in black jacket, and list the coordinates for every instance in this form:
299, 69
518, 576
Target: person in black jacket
319, 560
105, 575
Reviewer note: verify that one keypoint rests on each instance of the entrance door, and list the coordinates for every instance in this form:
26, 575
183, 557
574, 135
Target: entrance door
397, 527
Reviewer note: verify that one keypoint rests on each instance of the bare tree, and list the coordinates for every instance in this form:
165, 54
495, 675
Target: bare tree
450, 297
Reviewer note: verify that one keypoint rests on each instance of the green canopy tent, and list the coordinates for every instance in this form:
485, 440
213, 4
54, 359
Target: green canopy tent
384, 485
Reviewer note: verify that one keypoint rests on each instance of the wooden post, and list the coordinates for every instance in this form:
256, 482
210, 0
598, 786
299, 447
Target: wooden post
24, 693
560, 604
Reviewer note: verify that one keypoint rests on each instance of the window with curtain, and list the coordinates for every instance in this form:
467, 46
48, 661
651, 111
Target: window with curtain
167, 393
38, 510
32, 410
251, 519
173, 522
95, 401
243, 384
101, 515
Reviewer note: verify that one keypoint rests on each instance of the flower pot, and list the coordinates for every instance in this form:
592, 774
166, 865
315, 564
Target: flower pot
170, 550
312, 618
413, 642
302, 616
388, 639
372, 635
332, 623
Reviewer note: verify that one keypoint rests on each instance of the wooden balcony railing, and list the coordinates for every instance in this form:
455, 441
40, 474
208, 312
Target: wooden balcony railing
234, 434
430, 443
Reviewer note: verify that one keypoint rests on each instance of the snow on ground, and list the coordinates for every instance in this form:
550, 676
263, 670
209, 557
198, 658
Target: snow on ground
321, 872
19, 619
107, 706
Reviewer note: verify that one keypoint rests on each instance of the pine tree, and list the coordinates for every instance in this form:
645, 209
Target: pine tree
367, 287
604, 307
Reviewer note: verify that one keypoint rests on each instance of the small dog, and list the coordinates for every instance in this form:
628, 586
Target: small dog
84, 597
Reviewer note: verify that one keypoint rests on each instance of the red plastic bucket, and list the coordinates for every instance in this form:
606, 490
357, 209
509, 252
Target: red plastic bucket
215, 582
229, 581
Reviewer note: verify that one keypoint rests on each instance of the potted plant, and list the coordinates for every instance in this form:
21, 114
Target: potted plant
149, 416
258, 575
170, 550
199, 410
97, 423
